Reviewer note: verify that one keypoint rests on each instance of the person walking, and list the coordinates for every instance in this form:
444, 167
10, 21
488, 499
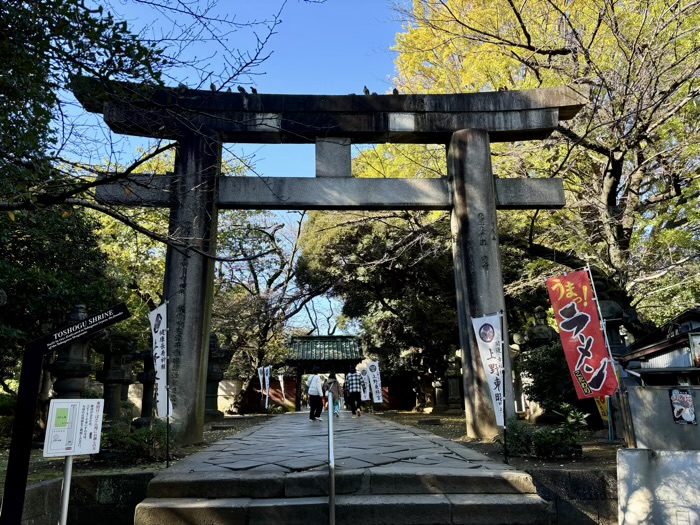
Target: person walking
333, 386
315, 395
353, 386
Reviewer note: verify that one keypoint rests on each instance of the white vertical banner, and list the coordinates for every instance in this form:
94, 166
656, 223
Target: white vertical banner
261, 375
364, 392
488, 338
280, 378
375, 381
159, 328
267, 371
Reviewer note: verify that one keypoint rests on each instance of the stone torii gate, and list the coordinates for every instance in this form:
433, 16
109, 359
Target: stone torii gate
200, 121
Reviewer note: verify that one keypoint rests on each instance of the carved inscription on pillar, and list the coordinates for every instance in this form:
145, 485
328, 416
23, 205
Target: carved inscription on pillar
481, 221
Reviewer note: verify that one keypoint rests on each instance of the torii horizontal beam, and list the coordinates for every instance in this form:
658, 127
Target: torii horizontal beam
309, 193
169, 113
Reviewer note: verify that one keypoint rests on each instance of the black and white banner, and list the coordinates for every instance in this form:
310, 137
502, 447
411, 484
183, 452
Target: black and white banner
489, 338
267, 371
364, 376
159, 329
375, 381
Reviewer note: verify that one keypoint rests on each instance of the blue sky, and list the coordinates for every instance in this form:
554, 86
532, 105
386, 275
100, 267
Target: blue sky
331, 48
334, 47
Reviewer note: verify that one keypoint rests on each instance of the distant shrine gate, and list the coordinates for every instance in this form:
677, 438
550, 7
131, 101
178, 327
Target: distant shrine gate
200, 121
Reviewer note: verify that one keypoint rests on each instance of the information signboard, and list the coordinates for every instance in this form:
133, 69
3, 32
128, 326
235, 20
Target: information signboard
74, 427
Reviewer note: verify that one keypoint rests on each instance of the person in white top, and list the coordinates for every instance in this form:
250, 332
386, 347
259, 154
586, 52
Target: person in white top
315, 395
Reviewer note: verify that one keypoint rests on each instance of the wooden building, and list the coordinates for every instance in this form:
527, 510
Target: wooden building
334, 353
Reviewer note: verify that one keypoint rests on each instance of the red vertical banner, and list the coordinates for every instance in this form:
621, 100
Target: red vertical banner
582, 337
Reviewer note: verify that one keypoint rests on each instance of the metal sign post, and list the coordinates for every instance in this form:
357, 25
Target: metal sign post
74, 427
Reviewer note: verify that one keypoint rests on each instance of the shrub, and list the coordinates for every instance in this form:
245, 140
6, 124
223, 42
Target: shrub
124, 444
519, 442
6, 423
548, 441
551, 383
7, 404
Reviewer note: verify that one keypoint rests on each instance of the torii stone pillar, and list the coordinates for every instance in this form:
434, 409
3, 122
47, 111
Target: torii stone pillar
477, 266
189, 283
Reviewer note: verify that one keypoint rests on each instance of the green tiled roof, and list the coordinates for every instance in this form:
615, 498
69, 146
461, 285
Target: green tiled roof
325, 348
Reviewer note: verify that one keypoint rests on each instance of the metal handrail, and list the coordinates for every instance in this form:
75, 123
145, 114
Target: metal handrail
331, 463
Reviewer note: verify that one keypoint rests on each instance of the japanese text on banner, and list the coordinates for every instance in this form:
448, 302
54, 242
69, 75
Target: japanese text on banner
159, 326
582, 337
488, 338
375, 381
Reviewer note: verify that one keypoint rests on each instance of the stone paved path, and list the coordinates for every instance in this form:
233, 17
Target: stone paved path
292, 443
388, 474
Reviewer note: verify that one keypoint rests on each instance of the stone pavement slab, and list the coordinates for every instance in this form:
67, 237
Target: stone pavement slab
293, 442
388, 458
385, 474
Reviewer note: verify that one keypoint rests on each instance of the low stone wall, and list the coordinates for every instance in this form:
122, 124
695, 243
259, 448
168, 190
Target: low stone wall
580, 497
107, 499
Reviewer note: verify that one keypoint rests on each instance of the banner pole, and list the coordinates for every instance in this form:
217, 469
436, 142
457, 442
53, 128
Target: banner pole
503, 405
600, 314
603, 327
167, 415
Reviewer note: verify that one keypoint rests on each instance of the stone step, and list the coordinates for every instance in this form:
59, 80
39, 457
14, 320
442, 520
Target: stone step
423, 509
386, 480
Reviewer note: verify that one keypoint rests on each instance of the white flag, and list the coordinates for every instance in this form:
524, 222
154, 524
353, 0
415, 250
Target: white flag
364, 376
159, 326
488, 338
267, 385
281, 380
375, 381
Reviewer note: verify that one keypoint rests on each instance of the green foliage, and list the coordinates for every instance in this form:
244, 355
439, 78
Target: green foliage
125, 444
394, 273
550, 382
547, 441
7, 404
6, 424
92, 393
44, 45
574, 421
49, 262
629, 158
519, 437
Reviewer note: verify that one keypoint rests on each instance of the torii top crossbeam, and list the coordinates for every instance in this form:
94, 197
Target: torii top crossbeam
169, 113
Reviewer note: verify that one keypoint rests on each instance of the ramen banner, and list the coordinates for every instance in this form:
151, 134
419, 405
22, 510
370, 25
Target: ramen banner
582, 336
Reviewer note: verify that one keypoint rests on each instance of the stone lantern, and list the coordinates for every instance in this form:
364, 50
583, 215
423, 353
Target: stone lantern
218, 359
71, 367
116, 373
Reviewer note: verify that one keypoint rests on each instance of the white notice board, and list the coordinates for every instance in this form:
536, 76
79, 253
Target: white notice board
74, 427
